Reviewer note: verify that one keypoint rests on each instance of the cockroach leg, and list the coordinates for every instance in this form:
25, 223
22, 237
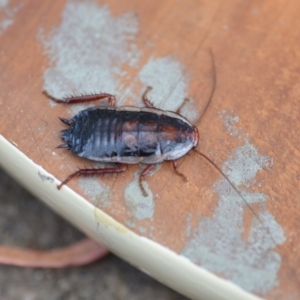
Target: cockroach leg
112, 101
178, 111
84, 98
143, 174
92, 171
175, 166
147, 102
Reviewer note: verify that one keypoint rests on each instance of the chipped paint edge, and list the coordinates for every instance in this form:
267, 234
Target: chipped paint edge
157, 261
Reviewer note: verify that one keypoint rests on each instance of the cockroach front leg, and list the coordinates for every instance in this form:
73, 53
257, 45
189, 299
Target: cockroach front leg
147, 102
84, 98
93, 171
178, 111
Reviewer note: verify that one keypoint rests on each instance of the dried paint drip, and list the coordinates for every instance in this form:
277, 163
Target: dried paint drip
255, 264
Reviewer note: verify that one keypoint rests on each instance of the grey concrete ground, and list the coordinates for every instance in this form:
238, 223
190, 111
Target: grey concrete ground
26, 222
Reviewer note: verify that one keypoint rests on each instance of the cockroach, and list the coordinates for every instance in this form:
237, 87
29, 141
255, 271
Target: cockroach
129, 135
126, 135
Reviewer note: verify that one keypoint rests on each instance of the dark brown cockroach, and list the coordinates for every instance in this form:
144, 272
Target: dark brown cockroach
126, 135
130, 135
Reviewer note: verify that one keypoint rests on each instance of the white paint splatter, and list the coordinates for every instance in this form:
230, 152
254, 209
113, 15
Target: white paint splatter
97, 191
170, 86
7, 14
219, 244
188, 229
88, 50
3, 3
230, 121
142, 229
141, 207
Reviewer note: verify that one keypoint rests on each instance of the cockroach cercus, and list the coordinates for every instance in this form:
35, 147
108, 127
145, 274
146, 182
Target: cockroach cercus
126, 135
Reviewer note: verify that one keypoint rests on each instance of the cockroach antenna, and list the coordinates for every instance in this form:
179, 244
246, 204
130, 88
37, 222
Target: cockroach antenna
213, 86
214, 164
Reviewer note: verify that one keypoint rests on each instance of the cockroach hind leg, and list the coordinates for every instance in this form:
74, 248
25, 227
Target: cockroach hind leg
83, 98
59, 186
94, 171
57, 100
77, 173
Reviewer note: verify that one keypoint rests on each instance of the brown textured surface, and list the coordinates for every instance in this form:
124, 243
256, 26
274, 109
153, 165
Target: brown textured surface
256, 49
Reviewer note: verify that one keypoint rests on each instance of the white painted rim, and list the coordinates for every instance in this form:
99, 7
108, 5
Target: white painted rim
159, 262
